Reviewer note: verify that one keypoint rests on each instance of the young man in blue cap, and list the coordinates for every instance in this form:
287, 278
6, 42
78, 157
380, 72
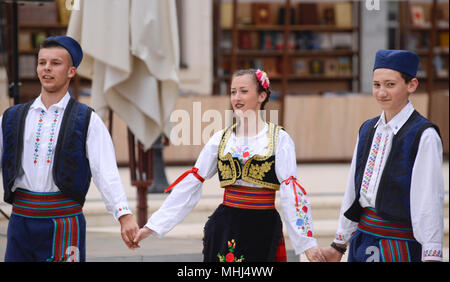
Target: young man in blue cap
394, 201
50, 148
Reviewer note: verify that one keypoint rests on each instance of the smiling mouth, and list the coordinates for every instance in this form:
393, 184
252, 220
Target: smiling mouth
239, 106
47, 77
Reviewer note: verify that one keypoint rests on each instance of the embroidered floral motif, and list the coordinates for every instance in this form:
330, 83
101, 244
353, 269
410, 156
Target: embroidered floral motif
432, 253
304, 220
37, 142
340, 237
120, 209
386, 139
230, 257
52, 136
225, 170
242, 154
370, 164
38, 137
259, 171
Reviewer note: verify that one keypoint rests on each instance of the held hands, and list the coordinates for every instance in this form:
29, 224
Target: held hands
143, 233
132, 235
331, 254
128, 230
325, 254
314, 254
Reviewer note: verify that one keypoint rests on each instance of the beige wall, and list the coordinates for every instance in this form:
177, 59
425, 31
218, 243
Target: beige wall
325, 128
196, 31
5, 101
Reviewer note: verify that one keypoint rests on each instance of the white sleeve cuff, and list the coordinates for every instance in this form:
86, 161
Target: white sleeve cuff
432, 252
304, 244
121, 209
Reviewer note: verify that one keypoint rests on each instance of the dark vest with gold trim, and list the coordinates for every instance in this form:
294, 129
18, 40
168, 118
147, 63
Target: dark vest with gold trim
259, 169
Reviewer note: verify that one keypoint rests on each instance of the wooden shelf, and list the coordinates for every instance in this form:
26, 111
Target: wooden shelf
428, 28
281, 64
254, 53
28, 52
432, 48
302, 77
42, 26
294, 53
30, 86
312, 28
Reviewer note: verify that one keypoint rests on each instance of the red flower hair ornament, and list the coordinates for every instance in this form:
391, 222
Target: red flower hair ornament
263, 78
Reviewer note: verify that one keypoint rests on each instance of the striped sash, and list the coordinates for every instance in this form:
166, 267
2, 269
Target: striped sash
395, 239
63, 213
66, 239
44, 205
373, 224
243, 197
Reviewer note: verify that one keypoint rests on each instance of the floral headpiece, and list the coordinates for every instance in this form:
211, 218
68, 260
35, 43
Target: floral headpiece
263, 78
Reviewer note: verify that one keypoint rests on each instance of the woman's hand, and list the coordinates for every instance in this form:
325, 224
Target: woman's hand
314, 254
143, 233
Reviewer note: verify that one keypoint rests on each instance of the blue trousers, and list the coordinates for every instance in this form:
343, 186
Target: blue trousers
46, 240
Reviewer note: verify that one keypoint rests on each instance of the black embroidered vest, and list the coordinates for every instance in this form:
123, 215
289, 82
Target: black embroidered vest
259, 170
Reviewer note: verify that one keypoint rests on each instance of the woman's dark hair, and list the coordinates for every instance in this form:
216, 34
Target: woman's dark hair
260, 89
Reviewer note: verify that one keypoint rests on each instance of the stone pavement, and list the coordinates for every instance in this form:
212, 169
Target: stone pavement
325, 184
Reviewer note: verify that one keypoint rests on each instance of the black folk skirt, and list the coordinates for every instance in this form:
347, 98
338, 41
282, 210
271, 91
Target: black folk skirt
235, 234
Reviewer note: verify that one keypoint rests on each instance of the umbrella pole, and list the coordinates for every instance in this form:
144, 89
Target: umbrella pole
142, 206
14, 88
141, 175
160, 182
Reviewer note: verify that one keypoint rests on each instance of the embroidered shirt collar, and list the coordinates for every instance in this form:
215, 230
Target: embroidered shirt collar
398, 120
37, 104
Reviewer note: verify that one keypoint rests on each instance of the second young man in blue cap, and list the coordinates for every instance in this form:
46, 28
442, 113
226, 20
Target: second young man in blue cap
50, 148
394, 201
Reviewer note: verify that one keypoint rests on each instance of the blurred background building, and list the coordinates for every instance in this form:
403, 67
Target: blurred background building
318, 55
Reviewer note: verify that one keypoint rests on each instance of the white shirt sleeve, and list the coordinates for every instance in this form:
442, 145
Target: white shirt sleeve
346, 227
427, 196
105, 174
186, 194
297, 218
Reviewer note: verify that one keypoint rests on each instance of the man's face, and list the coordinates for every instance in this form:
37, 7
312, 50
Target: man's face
390, 89
54, 69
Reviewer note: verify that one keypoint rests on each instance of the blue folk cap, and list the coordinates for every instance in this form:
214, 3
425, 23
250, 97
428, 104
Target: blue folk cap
400, 60
71, 45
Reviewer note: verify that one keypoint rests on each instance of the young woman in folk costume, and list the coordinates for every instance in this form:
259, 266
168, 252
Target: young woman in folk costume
253, 159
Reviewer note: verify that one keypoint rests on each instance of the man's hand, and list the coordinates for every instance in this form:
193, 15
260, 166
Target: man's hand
128, 230
331, 254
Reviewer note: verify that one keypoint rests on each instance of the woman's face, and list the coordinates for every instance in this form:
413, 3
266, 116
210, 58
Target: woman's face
244, 94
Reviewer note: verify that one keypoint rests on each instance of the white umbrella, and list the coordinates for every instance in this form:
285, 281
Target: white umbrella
131, 53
